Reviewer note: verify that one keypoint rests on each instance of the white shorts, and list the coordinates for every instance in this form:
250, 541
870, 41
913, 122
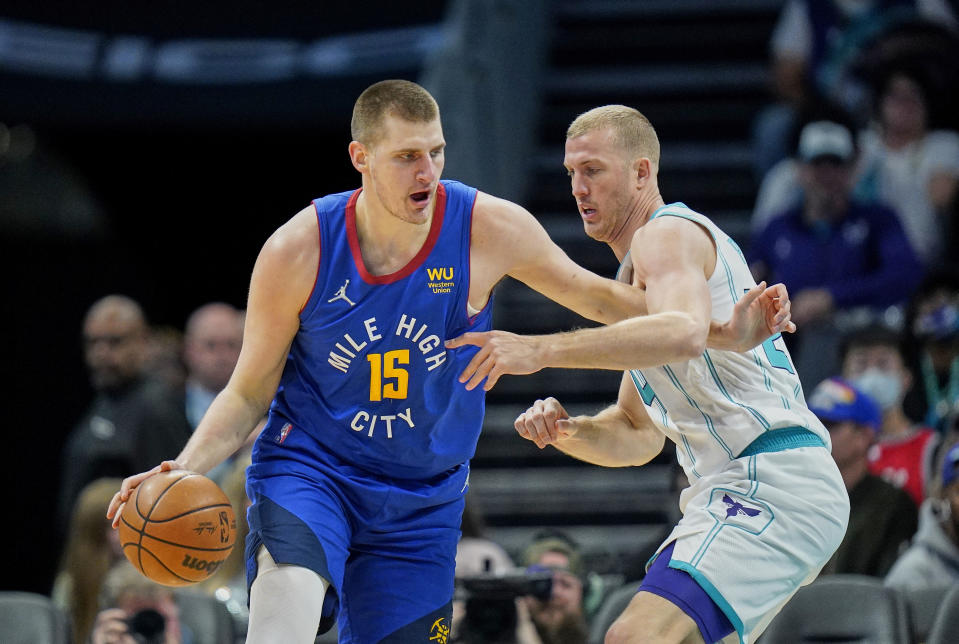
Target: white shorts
755, 532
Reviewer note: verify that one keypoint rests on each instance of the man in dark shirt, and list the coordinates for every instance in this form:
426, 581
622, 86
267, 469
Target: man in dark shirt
882, 517
832, 251
133, 421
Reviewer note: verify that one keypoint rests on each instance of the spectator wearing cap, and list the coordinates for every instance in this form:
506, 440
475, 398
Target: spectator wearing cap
560, 619
839, 257
882, 517
832, 251
933, 558
933, 329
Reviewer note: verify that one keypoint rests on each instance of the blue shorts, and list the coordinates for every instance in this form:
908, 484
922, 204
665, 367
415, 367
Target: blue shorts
387, 547
683, 591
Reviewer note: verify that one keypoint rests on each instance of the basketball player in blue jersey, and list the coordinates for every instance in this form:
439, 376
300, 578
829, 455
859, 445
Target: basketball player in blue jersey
766, 506
358, 478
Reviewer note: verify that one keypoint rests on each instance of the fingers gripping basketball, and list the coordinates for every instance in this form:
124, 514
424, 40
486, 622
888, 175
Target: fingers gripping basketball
177, 527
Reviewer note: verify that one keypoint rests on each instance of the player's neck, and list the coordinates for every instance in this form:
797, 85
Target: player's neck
636, 217
387, 242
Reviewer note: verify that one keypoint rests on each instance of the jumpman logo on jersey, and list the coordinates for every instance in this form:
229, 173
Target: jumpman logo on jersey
735, 507
341, 294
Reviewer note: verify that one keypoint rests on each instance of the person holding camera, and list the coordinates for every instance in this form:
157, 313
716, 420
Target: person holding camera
559, 618
137, 611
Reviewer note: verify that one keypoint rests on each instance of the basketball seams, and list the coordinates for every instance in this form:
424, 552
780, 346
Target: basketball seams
146, 519
188, 513
156, 554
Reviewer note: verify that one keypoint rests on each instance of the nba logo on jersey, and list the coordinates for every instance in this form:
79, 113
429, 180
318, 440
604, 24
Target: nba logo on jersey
732, 508
284, 431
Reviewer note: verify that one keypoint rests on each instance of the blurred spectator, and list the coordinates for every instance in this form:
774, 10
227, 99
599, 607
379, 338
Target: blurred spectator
228, 583
476, 553
93, 547
560, 619
933, 326
164, 359
833, 252
133, 422
211, 346
882, 517
137, 610
815, 47
908, 166
873, 361
933, 558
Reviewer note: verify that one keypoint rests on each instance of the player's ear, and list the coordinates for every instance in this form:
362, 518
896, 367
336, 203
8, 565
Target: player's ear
642, 170
359, 156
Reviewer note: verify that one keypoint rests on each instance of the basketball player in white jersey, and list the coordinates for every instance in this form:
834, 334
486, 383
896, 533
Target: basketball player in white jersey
766, 506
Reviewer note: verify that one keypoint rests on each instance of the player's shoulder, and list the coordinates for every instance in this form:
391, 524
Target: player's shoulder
295, 242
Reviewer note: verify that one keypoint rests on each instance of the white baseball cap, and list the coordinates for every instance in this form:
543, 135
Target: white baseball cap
825, 138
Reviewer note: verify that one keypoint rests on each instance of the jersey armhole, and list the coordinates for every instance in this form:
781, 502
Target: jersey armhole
310, 303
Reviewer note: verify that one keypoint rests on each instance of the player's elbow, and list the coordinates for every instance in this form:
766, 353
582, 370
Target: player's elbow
690, 338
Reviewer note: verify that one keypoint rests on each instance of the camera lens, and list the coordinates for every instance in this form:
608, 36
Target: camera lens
147, 626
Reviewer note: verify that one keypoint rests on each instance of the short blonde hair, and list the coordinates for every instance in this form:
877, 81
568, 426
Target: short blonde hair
631, 131
402, 98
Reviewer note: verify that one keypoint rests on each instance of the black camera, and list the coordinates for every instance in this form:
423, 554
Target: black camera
490, 604
147, 626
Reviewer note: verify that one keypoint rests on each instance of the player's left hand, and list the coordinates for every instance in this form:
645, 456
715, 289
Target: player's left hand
763, 311
500, 353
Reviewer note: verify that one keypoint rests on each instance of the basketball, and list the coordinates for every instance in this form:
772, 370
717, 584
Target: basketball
177, 528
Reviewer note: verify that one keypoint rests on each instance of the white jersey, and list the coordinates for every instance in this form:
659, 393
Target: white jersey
715, 405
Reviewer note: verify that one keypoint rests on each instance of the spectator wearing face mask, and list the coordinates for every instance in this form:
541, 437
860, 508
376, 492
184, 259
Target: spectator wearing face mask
873, 361
882, 517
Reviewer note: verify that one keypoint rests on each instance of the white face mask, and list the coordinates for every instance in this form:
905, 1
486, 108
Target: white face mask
883, 386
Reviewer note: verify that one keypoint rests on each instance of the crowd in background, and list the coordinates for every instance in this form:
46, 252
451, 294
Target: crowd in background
857, 164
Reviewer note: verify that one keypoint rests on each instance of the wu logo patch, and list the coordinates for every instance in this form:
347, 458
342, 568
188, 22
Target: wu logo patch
440, 632
341, 295
440, 279
735, 507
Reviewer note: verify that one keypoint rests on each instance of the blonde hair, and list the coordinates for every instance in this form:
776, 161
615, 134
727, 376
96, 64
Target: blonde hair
401, 98
632, 132
88, 555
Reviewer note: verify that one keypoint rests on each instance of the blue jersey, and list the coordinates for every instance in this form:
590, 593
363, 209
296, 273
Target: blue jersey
368, 377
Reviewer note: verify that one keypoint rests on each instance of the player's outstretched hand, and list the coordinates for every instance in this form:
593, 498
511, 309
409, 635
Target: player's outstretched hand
500, 353
129, 484
545, 423
763, 311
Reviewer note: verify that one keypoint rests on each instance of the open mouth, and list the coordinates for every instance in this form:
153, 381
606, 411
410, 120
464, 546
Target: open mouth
420, 198
587, 212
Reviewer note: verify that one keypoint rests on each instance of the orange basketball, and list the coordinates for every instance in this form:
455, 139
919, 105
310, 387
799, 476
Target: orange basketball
177, 528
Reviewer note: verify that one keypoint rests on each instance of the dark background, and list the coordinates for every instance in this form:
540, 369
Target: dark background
191, 180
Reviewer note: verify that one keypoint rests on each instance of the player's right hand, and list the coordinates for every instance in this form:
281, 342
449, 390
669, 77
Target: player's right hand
545, 423
119, 499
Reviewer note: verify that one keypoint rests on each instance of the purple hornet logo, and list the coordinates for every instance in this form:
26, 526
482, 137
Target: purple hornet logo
735, 508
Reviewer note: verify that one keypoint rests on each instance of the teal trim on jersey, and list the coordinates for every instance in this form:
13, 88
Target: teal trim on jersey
648, 389
689, 453
714, 595
659, 211
708, 541
778, 440
719, 383
709, 421
797, 390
